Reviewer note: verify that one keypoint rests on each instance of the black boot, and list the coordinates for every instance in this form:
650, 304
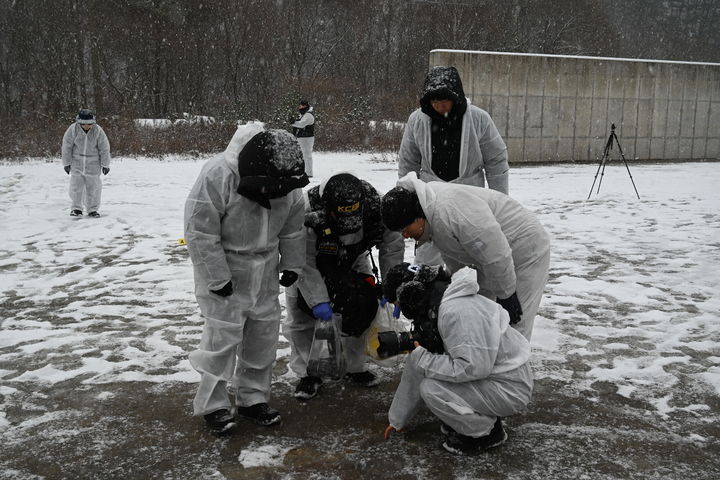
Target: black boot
260, 413
220, 421
460, 444
308, 387
364, 379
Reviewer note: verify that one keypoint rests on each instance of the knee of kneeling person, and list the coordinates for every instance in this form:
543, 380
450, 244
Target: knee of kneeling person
429, 389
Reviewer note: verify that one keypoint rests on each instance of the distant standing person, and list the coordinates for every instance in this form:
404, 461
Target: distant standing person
304, 130
448, 139
85, 154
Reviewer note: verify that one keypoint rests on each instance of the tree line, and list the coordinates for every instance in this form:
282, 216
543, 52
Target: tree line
356, 60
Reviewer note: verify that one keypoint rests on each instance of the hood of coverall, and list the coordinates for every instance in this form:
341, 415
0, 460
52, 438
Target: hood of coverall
443, 83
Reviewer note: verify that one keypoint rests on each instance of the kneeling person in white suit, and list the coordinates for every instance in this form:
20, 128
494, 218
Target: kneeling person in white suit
479, 372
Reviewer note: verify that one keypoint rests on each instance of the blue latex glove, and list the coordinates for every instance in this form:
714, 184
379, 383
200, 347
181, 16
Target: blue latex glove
323, 311
396, 311
383, 301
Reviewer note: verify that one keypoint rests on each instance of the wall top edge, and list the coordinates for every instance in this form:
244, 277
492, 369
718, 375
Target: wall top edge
516, 54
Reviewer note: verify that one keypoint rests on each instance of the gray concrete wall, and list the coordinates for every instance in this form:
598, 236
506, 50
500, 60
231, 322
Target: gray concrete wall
559, 108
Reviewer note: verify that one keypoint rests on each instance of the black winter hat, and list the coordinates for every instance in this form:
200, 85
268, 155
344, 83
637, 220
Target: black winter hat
400, 208
343, 196
395, 277
271, 165
274, 153
412, 285
412, 296
85, 117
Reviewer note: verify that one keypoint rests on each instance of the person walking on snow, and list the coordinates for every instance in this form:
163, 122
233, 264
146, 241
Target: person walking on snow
304, 129
478, 228
244, 228
343, 224
480, 372
85, 154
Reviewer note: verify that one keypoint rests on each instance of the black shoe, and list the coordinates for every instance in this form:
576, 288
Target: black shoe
76, 213
260, 413
93, 214
220, 421
308, 387
463, 445
364, 379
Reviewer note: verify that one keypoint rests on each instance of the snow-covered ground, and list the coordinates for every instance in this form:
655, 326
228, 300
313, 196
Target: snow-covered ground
104, 305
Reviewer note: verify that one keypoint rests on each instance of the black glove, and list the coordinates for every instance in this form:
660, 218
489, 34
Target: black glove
288, 277
67, 169
106, 170
512, 305
225, 291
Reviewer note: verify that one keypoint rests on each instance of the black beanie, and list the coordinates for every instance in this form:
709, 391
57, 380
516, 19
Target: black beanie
395, 277
412, 296
271, 165
273, 153
343, 195
400, 208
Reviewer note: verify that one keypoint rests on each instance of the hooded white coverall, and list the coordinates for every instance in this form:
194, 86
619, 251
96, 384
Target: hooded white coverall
86, 153
233, 238
306, 143
492, 233
299, 327
483, 154
483, 374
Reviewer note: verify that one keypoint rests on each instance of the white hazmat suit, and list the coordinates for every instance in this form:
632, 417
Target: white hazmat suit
232, 238
492, 233
86, 154
483, 374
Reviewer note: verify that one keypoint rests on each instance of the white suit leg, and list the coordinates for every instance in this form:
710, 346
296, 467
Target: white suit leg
354, 349
253, 376
531, 281
215, 360
298, 329
76, 191
306, 145
93, 190
471, 408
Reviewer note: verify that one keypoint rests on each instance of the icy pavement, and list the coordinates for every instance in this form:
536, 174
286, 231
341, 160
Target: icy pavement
97, 318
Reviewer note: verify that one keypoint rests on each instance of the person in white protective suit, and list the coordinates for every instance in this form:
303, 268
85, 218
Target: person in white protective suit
478, 371
85, 154
243, 228
450, 140
343, 224
478, 228
304, 129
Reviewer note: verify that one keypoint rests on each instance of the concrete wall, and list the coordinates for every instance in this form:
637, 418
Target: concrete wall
559, 108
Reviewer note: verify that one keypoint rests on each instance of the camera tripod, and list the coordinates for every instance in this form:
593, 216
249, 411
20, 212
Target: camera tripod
603, 162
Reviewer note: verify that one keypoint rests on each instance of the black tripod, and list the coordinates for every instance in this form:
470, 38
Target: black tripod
604, 159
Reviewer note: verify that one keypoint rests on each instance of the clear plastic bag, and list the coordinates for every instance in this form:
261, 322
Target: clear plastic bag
383, 322
326, 353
